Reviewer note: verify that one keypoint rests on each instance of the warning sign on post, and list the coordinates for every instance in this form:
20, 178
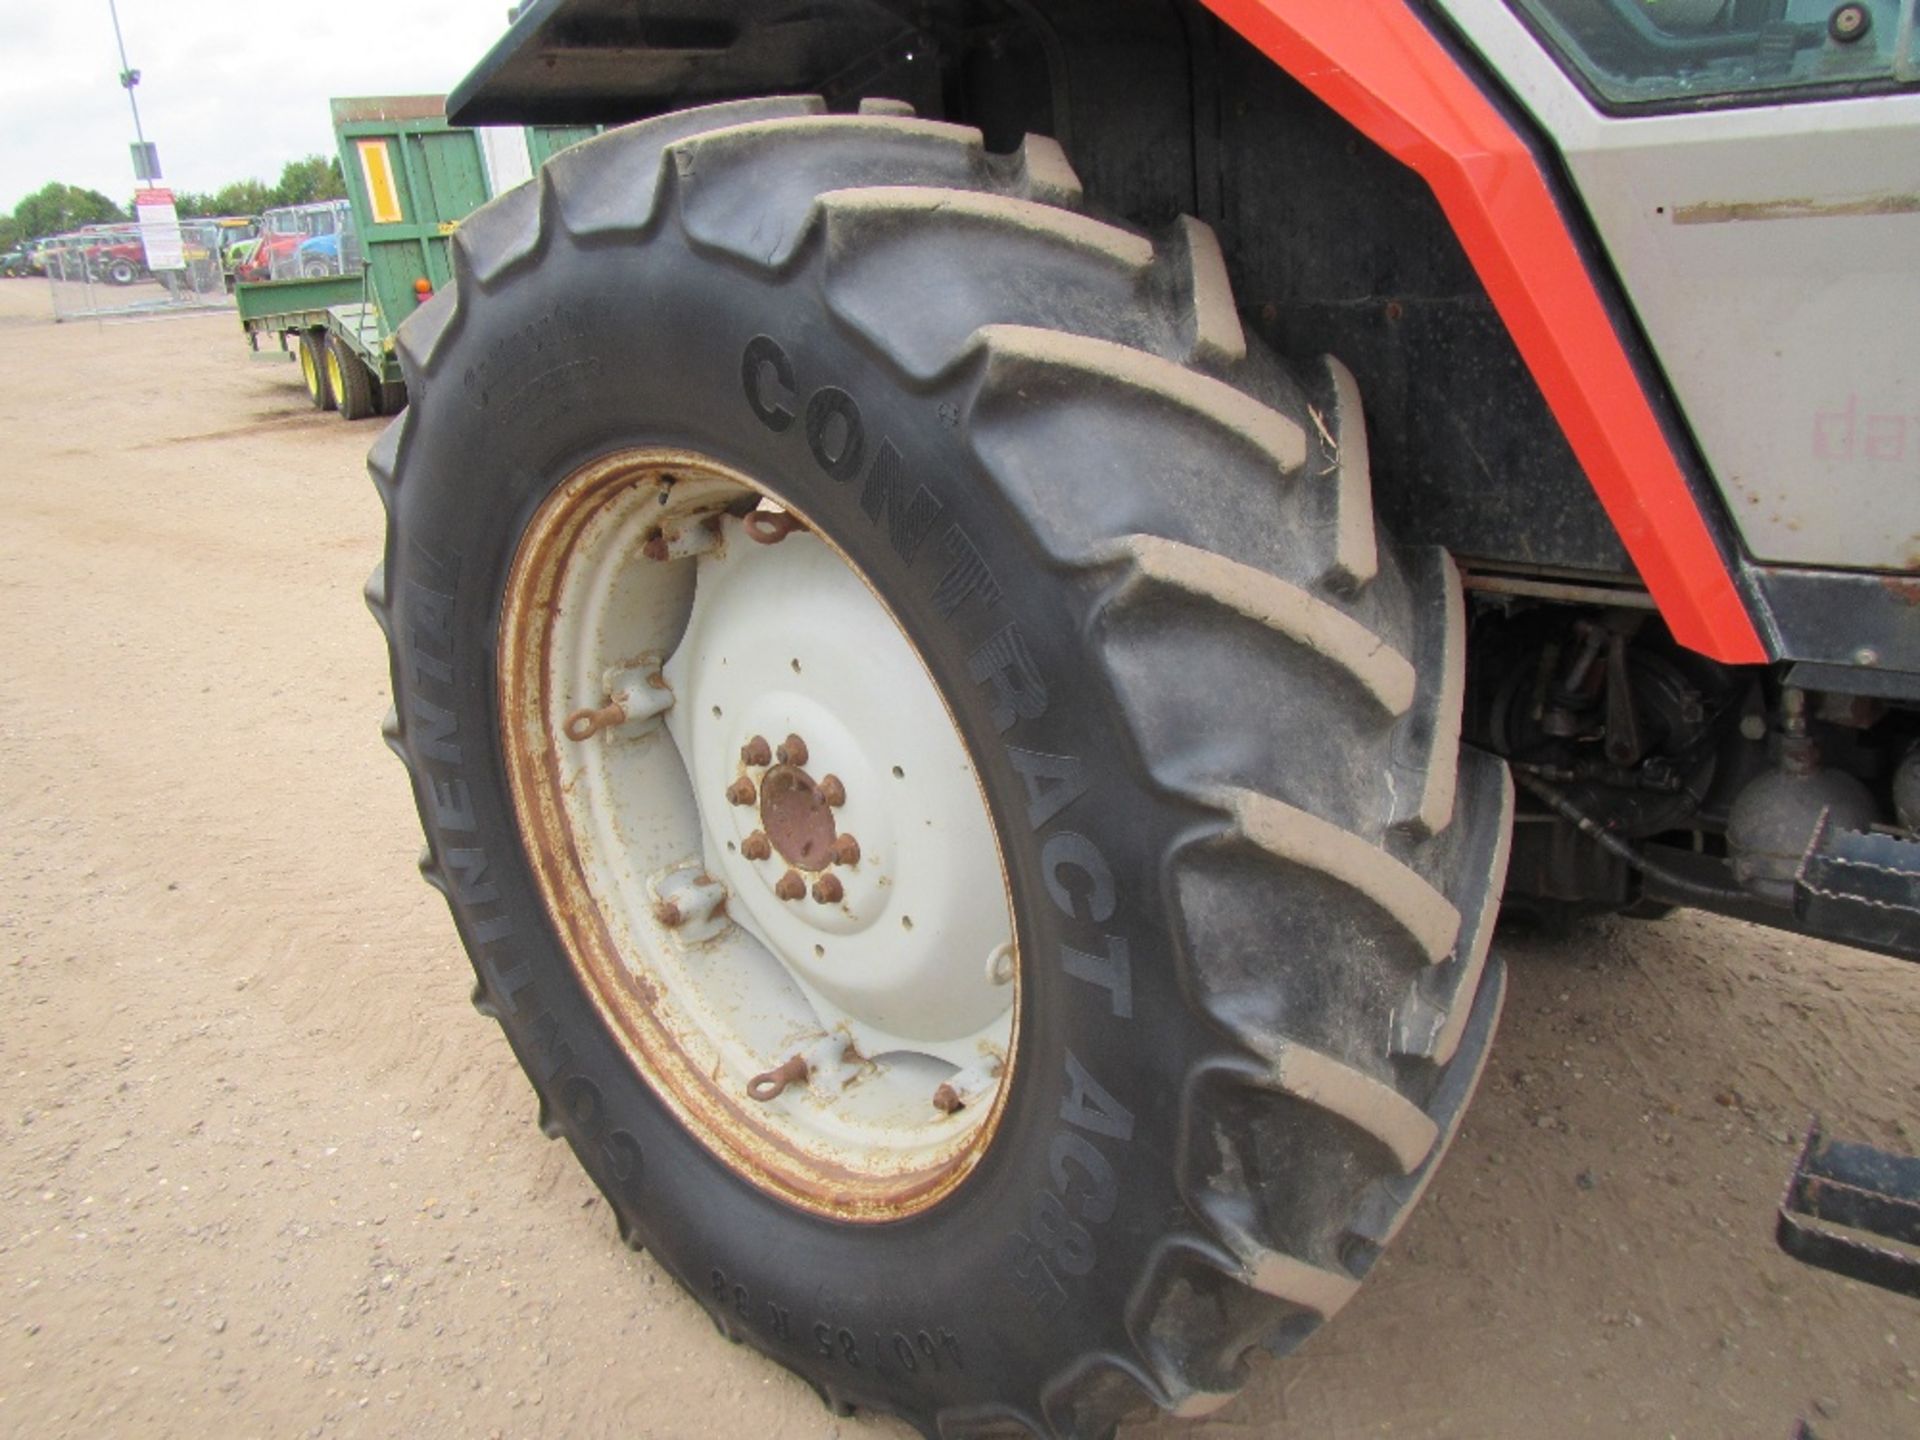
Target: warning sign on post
159, 229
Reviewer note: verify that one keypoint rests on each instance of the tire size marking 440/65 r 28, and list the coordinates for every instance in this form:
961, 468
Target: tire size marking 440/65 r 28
1057, 1240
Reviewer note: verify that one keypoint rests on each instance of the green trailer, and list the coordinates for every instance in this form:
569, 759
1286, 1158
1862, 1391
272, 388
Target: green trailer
411, 179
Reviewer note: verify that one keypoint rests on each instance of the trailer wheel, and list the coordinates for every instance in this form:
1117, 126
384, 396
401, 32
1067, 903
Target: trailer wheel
313, 370
955, 809
350, 381
393, 397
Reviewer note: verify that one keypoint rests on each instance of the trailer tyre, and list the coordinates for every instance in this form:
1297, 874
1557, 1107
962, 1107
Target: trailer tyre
312, 353
351, 382
753, 419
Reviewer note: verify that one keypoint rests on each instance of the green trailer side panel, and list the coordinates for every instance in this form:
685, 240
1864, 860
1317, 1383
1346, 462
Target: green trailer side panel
270, 300
411, 179
456, 175
546, 141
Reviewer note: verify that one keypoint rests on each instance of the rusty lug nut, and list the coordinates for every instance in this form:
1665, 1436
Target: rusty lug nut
756, 752
772, 1083
828, 890
656, 548
790, 886
792, 751
946, 1099
585, 724
845, 851
668, 914
756, 846
741, 792
833, 792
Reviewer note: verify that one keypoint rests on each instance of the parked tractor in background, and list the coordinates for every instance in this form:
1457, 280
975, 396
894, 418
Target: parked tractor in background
116, 255
284, 232
988, 599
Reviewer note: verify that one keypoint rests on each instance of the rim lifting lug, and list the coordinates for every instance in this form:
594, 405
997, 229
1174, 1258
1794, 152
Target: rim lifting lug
828, 890
792, 751
756, 752
756, 846
845, 851
742, 792
770, 527
771, 1084
954, 1095
1000, 965
790, 886
585, 724
833, 792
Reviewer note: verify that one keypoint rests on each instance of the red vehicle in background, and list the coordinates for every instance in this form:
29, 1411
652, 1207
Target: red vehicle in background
283, 230
119, 258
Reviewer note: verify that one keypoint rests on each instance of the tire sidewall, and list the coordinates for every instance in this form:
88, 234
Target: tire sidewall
1028, 1267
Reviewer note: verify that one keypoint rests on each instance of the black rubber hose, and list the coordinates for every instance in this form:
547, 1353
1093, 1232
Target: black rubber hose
1671, 881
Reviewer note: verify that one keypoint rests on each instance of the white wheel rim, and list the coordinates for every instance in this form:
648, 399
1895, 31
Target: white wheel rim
667, 839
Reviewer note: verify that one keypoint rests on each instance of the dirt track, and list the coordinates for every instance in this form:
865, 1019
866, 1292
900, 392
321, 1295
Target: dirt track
265, 1172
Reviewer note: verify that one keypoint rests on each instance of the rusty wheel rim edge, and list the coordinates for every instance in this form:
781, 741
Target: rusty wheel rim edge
627, 1006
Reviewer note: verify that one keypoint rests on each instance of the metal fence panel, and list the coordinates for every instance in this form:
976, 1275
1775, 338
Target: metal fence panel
109, 270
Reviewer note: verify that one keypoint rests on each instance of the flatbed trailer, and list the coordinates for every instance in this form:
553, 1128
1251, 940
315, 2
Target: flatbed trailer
411, 179
329, 306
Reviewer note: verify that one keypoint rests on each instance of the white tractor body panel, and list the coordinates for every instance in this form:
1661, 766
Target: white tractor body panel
1771, 255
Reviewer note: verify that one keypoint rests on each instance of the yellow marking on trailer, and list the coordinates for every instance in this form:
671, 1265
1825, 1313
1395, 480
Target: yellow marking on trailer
383, 191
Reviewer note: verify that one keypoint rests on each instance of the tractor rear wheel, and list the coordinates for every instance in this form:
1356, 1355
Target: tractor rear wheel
954, 807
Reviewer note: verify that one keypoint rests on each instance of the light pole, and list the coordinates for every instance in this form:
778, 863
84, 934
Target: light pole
146, 159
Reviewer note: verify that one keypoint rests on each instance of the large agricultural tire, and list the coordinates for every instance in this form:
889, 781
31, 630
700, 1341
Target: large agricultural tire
1214, 718
312, 354
351, 382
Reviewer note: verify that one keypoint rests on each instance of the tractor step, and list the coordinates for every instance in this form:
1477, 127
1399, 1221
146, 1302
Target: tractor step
1840, 1185
1862, 888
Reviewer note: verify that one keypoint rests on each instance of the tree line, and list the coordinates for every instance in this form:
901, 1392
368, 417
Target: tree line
55, 208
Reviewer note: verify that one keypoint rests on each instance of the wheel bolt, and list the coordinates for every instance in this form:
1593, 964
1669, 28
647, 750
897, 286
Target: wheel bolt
656, 548
947, 1100
741, 792
833, 792
668, 914
756, 752
790, 886
828, 890
845, 851
792, 751
756, 846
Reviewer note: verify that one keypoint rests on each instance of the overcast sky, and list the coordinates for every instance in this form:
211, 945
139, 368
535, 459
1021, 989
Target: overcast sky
229, 89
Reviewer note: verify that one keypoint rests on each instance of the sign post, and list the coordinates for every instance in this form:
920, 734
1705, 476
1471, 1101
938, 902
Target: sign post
160, 229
